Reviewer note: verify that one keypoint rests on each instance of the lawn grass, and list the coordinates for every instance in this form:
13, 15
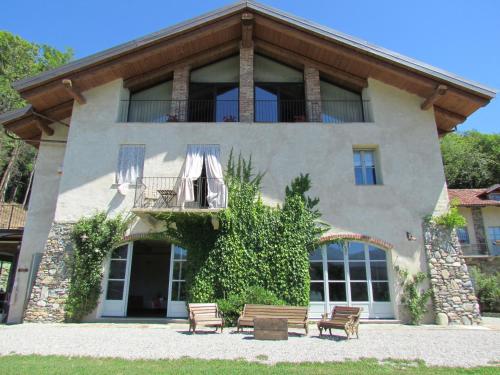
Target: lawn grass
54, 365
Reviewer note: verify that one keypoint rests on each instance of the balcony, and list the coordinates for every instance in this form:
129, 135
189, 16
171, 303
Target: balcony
12, 217
167, 194
267, 111
481, 249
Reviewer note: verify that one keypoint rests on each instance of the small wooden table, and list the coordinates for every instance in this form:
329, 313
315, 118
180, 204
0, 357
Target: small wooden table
266, 328
167, 195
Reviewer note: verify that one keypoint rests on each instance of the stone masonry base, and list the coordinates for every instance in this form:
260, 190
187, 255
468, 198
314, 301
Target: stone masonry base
454, 298
46, 303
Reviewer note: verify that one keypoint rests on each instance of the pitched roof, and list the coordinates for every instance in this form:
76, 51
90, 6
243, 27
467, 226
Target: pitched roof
474, 197
275, 13
349, 56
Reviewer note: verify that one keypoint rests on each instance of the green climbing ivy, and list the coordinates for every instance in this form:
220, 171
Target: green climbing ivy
254, 246
93, 238
414, 297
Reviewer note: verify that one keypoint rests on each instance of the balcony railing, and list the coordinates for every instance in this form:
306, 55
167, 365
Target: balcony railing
163, 193
179, 111
480, 249
12, 216
326, 111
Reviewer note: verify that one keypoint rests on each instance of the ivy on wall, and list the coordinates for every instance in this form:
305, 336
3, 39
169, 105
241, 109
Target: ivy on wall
93, 238
255, 245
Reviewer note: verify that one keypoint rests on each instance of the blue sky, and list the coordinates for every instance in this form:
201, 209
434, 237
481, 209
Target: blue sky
461, 36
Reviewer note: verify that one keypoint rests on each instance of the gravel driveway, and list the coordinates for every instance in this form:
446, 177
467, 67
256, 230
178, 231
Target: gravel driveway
450, 346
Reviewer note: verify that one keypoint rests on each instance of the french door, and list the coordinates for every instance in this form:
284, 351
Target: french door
177, 283
350, 274
118, 279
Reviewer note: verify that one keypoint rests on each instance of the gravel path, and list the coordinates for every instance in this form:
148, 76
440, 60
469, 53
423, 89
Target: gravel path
460, 346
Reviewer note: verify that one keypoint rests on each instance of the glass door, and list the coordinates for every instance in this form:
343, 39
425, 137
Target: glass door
118, 276
350, 274
177, 285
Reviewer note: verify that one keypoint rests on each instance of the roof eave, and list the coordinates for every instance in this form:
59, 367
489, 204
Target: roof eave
353, 42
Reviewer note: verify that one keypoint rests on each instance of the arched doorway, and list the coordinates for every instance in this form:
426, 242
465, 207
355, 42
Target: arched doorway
351, 273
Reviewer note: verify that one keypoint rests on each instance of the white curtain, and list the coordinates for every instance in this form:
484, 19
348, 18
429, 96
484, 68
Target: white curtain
130, 166
192, 171
217, 191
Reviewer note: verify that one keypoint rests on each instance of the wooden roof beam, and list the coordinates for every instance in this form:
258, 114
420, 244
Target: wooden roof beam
286, 55
204, 57
434, 97
73, 91
43, 126
453, 117
247, 30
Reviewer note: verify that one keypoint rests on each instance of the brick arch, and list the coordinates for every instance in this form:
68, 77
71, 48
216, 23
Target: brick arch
357, 237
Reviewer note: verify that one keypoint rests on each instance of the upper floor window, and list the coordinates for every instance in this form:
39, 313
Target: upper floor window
153, 104
339, 105
214, 92
130, 163
463, 235
365, 167
279, 92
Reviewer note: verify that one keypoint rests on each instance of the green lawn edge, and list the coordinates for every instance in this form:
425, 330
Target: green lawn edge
54, 365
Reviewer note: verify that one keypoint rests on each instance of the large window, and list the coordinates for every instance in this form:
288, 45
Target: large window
279, 92
153, 104
365, 167
214, 92
349, 273
339, 105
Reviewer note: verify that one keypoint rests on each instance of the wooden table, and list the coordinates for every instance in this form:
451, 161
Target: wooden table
266, 328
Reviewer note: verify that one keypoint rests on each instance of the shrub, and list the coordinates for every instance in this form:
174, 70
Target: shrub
487, 289
232, 306
93, 238
451, 219
414, 297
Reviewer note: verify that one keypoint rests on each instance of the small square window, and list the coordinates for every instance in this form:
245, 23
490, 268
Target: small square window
365, 167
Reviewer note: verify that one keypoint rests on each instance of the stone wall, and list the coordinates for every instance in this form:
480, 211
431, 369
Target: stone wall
313, 94
48, 296
454, 298
180, 93
246, 84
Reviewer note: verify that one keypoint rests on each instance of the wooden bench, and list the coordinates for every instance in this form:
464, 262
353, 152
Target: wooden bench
343, 317
296, 315
205, 314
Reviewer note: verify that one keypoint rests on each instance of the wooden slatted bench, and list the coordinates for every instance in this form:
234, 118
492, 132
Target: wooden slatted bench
205, 314
343, 317
296, 315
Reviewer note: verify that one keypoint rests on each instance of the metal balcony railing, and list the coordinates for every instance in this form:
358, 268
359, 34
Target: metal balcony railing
12, 216
179, 111
326, 111
159, 193
480, 249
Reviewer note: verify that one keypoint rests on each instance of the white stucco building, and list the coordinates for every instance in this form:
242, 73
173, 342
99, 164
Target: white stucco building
149, 125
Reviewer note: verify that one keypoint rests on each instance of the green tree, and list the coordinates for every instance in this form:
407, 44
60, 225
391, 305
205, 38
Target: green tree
471, 159
20, 58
